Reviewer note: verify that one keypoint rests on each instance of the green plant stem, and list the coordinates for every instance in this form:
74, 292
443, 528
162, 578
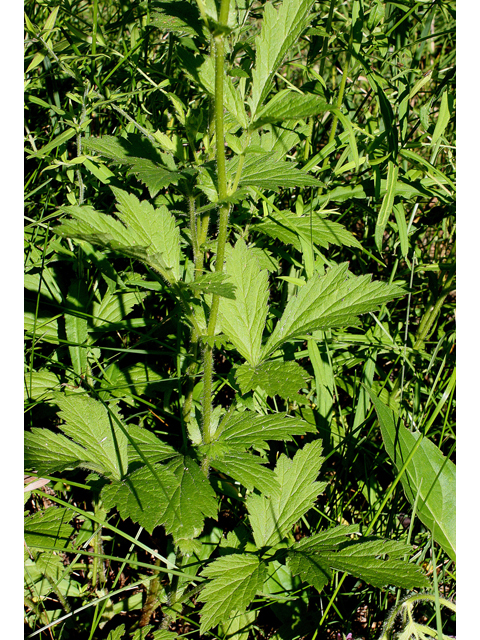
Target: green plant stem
223, 220
152, 601
94, 28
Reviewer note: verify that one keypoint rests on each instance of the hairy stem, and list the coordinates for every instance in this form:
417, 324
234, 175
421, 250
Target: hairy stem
223, 217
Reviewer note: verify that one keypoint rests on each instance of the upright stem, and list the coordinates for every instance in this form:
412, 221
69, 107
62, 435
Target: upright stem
223, 220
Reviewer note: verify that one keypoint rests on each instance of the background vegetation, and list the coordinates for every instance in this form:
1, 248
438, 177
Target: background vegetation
116, 68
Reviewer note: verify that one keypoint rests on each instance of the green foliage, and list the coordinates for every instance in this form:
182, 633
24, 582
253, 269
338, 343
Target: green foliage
209, 325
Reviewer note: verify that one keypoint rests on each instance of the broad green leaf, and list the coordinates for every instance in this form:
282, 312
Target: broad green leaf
153, 175
138, 380
214, 283
290, 105
375, 561
49, 528
429, 474
280, 29
45, 327
268, 171
234, 581
94, 439
276, 378
387, 204
142, 496
314, 227
243, 319
239, 625
272, 518
114, 307
247, 469
155, 227
191, 502
76, 327
151, 447
333, 300
251, 429
40, 385
45, 283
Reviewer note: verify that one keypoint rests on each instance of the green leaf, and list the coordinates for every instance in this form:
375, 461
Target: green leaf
243, 319
290, 105
94, 439
144, 442
235, 579
214, 283
142, 496
153, 175
56, 142
76, 327
192, 501
40, 385
333, 300
116, 634
272, 518
268, 171
276, 378
316, 228
114, 307
177, 17
400, 218
443, 117
252, 429
155, 226
429, 474
45, 327
247, 469
280, 30
49, 528
138, 379
387, 204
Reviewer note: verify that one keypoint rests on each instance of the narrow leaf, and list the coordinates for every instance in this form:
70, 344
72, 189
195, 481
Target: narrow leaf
429, 474
387, 204
290, 105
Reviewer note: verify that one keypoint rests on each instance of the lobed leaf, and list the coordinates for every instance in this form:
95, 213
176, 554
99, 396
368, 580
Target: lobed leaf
333, 300
251, 429
243, 319
247, 469
235, 579
272, 518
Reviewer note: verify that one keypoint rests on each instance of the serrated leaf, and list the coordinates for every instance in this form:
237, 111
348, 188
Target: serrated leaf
272, 518
40, 385
214, 283
45, 327
268, 171
95, 441
202, 71
361, 559
116, 634
151, 447
235, 579
315, 228
247, 469
192, 501
142, 496
49, 528
276, 378
155, 227
332, 300
429, 474
251, 429
280, 30
243, 319
290, 105
374, 560
153, 175
127, 150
